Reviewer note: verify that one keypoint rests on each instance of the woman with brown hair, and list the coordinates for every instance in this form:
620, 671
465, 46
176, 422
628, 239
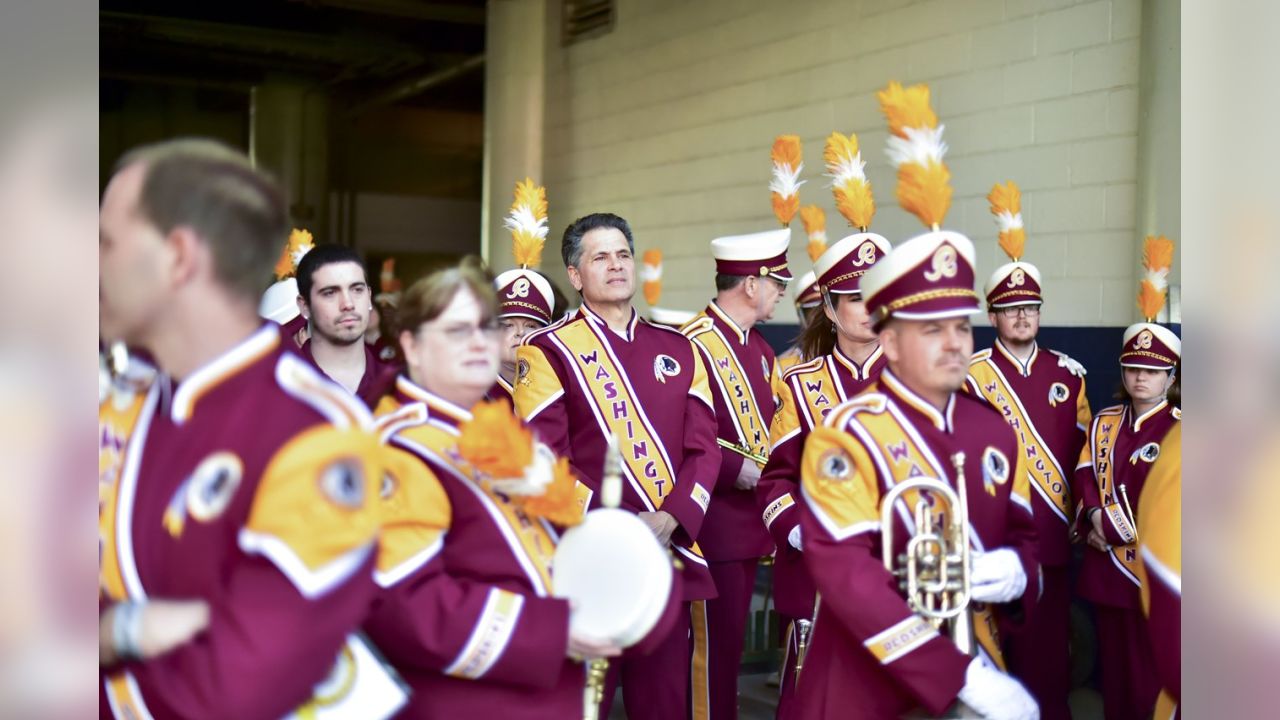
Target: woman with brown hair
1123, 444
846, 360
471, 507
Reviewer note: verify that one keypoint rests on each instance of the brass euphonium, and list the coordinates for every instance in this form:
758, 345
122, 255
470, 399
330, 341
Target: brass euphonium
934, 572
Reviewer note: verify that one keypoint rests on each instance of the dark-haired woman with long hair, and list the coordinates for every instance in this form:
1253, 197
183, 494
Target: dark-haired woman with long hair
846, 359
1124, 442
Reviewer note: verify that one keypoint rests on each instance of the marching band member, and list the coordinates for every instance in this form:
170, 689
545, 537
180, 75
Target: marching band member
602, 371
871, 655
465, 560
1041, 393
1160, 569
850, 360
1124, 441
279, 303
336, 302
525, 297
381, 333
239, 531
808, 298
751, 278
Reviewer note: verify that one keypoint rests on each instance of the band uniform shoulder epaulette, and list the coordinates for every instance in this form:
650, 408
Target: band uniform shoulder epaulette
544, 330
697, 326
872, 402
979, 356
804, 367
1112, 410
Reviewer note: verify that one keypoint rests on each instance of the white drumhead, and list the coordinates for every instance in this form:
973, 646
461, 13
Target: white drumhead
616, 574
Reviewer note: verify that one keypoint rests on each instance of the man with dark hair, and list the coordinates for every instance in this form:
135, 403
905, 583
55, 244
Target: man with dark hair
335, 298
247, 484
603, 371
751, 277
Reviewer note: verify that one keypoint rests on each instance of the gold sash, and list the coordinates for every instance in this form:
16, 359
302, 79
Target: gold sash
1102, 447
737, 392
896, 448
1043, 468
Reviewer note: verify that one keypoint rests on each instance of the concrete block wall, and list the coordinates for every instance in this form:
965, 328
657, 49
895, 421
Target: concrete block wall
668, 119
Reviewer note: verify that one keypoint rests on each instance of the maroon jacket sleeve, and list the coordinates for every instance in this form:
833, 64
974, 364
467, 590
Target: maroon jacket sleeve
840, 524
469, 629
778, 491
265, 648
700, 465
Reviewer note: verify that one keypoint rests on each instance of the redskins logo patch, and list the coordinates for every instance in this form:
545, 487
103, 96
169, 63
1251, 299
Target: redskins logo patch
764, 366
1147, 453
387, 354
342, 481
665, 366
1058, 393
995, 469
212, 484
835, 465
522, 371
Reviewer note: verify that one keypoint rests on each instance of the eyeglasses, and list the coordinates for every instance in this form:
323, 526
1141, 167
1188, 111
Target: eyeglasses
1023, 310
461, 332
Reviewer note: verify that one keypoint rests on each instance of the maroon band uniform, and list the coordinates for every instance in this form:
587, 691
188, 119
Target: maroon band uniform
577, 381
251, 484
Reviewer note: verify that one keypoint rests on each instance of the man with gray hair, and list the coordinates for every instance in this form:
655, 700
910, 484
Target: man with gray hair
604, 371
238, 512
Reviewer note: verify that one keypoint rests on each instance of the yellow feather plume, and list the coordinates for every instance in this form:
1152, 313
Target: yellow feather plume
651, 274
1157, 258
1006, 206
916, 149
849, 183
1157, 253
925, 191
527, 222
785, 186
299, 244
906, 107
815, 226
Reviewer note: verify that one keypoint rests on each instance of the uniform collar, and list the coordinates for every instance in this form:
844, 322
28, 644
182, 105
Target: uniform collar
715, 311
940, 420
1140, 419
630, 333
437, 407
227, 365
1023, 368
859, 371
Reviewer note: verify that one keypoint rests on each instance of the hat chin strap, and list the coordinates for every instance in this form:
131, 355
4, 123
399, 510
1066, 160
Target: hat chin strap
835, 316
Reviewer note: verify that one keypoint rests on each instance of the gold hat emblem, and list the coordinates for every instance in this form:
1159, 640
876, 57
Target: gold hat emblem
1143, 341
1017, 278
866, 254
943, 264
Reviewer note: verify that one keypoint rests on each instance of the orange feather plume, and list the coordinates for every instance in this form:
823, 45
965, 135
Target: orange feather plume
916, 149
925, 191
906, 108
815, 226
1006, 206
785, 186
1157, 258
299, 244
387, 280
495, 442
558, 503
849, 185
651, 274
527, 222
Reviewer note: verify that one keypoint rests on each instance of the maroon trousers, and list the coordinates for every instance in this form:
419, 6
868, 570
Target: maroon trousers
654, 686
718, 631
1129, 683
1038, 654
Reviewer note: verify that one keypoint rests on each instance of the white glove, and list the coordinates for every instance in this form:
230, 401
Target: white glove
1072, 366
793, 538
997, 576
996, 696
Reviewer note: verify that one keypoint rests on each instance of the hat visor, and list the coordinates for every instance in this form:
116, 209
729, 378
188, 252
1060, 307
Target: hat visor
524, 314
1016, 303
941, 314
784, 275
1151, 364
